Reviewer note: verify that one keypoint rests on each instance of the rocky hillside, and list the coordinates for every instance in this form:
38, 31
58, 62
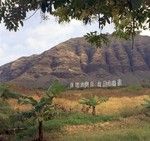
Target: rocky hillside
76, 60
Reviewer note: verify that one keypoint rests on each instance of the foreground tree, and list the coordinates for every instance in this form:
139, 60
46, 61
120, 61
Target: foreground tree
92, 102
7, 112
128, 16
41, 110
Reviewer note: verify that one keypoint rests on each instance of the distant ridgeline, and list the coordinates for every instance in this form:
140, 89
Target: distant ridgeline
98, 84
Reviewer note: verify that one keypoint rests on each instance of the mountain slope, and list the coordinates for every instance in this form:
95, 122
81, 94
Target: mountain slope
76, 60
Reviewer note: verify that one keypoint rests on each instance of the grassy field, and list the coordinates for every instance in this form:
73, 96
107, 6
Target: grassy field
131, 134
121, 118
121, 101
125, 120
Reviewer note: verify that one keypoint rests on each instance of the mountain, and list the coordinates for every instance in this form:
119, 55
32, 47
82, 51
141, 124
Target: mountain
76, 60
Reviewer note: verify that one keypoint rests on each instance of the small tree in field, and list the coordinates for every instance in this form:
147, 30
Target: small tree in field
92, 102
147, 106
41, 109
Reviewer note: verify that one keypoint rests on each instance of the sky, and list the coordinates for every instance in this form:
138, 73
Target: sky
37, 36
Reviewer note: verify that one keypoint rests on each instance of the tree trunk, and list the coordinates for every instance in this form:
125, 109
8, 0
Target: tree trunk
93, 111
40, 128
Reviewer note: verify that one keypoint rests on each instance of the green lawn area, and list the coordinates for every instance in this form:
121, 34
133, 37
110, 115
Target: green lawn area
76, 119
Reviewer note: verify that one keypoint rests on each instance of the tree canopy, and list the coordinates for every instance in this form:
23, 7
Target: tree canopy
128, 16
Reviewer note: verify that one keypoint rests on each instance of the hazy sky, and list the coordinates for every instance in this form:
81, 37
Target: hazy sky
37, 36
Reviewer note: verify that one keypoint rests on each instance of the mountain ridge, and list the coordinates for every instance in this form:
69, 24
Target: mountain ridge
77, 60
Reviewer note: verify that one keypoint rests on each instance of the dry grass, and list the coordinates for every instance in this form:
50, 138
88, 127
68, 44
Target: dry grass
35, 93
17, 106
112, 92
120, 101
113, 105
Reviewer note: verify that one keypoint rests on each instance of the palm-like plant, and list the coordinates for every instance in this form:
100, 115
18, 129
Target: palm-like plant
147, 106
55, 89
92, 102
147, 103
41, 109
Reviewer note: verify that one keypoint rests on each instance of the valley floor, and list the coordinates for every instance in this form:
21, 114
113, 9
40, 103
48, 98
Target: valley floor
124, 119
121, 118
135, 128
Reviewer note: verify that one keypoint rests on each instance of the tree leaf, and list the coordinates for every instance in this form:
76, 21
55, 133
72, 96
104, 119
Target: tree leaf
136, 4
